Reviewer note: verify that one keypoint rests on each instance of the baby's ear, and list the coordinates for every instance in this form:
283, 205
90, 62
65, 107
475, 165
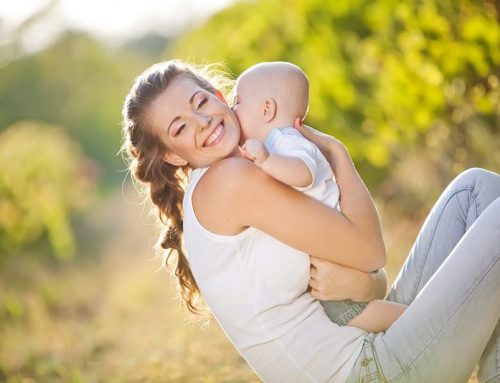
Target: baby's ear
174, 159
269, 109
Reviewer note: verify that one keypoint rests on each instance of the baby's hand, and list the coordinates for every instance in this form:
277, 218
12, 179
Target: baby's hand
255, 151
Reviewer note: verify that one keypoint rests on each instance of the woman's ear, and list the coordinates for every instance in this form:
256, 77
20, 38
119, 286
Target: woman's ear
174, 159
269, 109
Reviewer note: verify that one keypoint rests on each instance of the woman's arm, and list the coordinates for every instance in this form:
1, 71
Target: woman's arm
355, 199
235, 194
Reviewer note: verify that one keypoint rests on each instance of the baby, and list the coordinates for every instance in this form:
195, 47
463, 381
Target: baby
268, 98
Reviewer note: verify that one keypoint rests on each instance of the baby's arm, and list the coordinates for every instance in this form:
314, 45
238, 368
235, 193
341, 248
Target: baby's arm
289, 170
378, 316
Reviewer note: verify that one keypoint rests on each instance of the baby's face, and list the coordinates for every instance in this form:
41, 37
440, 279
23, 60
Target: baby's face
248, 107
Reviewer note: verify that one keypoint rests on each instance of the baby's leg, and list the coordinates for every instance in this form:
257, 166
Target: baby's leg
378, 316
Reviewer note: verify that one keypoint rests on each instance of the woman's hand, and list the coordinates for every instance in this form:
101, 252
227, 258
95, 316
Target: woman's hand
324, 142
331, 281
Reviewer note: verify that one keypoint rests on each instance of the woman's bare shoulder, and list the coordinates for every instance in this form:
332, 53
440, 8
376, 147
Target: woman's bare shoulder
231, 182
222, 194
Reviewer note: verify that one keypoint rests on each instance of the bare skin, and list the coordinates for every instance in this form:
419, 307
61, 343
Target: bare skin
378, 316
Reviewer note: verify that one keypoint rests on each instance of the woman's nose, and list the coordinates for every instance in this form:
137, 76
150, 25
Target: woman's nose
204, 121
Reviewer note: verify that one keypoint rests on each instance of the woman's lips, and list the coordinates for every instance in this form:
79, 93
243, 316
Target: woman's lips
216, 136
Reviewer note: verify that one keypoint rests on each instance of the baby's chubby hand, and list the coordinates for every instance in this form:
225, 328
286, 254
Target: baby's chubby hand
255, 151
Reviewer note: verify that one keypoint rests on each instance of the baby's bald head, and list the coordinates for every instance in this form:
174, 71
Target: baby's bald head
284, 82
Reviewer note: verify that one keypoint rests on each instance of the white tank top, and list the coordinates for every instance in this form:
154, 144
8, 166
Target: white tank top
255, 287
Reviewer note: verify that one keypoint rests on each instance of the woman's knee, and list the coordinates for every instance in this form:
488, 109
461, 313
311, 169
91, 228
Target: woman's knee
490, 218
478, 176
495, 208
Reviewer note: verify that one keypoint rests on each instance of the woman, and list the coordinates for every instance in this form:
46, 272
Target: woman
251, 268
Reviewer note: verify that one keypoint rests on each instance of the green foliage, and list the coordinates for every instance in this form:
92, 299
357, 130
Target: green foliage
387, 77
43, 179
13, 307
76, 83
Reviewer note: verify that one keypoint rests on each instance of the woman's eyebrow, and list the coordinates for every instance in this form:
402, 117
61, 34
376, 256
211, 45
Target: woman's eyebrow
191, 99
193, 96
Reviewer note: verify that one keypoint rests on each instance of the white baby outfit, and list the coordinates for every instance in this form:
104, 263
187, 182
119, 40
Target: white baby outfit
290, 143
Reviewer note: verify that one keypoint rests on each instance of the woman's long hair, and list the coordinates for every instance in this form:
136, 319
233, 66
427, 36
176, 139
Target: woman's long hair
163, 182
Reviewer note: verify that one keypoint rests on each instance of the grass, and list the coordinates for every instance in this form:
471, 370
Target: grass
111, 317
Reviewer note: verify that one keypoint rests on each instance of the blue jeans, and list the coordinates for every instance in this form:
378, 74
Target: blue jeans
451, 280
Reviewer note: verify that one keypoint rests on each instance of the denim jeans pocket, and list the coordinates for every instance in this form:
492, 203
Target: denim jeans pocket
365, 369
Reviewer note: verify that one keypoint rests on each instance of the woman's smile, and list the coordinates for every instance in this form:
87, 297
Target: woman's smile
216, 135
198, 126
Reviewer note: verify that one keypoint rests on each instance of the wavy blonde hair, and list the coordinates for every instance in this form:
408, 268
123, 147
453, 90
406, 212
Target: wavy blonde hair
162, 182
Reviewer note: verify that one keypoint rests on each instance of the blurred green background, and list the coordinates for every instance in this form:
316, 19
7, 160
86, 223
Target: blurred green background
411, 87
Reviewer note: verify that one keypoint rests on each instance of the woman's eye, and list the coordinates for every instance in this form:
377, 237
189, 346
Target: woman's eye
202, 102
179, 130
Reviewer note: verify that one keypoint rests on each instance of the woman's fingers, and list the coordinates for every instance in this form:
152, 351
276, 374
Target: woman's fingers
313, 272
313, 283
315, 294
299, 122
321, 140
318, 262
305, 130
299, 125
314, 287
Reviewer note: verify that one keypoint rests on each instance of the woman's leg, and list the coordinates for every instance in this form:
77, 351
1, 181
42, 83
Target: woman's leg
444, 331
489, 364
455, 211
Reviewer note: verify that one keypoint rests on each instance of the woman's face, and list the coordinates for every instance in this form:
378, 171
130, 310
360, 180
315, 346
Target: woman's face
197, 126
